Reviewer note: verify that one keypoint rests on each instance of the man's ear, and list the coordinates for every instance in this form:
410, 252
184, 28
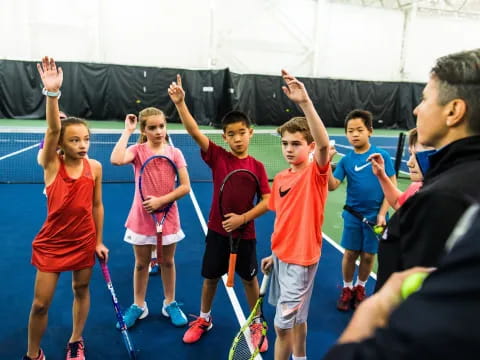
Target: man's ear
457, 109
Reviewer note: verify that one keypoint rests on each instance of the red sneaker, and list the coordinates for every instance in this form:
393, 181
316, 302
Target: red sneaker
76, 350
196, 329
345, 301
256, 336
359, 295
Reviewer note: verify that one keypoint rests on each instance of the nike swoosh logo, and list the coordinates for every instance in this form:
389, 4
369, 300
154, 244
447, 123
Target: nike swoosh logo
358, 168
283, 193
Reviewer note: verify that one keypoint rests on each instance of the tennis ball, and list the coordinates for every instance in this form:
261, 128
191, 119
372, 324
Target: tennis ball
138, 101
378, 229
412, 284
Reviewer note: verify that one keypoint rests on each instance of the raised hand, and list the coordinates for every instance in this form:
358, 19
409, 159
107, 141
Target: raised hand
130, 122
378, 164
52, 77
294, 89
176, 92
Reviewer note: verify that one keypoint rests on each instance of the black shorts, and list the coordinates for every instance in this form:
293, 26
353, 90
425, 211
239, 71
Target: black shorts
217, 255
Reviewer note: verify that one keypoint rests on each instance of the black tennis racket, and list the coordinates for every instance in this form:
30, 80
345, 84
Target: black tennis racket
240, 192
118, 312
158, 177
376, 229
243, 347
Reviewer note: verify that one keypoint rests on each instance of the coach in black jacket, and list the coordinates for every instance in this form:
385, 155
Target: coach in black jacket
448, 118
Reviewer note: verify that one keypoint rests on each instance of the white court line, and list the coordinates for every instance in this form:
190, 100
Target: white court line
19, 151
342, 250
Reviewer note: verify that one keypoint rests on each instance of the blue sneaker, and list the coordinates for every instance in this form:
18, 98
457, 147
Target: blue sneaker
176, 315
134, 313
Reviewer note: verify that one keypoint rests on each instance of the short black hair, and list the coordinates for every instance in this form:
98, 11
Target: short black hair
365, 115
235, 116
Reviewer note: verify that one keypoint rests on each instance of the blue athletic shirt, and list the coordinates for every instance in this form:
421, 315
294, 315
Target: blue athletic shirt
364, 192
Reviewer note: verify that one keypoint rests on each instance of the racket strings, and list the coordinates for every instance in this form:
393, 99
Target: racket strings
244, 348
158, 178
239, 193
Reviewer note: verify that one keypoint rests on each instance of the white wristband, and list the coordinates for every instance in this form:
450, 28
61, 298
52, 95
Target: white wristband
51, 93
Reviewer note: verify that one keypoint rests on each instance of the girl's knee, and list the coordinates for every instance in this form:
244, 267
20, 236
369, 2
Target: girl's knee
80, 289
167, 263
40, 307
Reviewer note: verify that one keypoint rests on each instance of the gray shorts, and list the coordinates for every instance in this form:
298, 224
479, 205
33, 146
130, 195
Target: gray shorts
291, 289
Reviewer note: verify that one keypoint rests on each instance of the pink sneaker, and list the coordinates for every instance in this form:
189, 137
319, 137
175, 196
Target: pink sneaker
76, 350
41, 356
256, 334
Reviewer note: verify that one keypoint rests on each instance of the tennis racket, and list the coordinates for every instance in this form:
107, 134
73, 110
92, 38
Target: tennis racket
376, 229
240, 191
243, 348
118, 312
158, 177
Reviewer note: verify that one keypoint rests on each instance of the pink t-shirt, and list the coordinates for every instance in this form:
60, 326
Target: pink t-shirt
222, 163
411, 190
139, 220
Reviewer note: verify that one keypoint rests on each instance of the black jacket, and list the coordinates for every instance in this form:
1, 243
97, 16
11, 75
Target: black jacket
418, 230
440, 322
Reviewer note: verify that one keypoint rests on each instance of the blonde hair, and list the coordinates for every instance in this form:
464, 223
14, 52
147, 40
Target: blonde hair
297, 124
142, 119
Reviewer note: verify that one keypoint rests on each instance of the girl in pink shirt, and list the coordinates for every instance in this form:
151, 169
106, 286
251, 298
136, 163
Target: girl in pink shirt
140, 231
394, 196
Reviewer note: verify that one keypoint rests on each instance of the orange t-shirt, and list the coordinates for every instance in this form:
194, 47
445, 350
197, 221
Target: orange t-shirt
298, 199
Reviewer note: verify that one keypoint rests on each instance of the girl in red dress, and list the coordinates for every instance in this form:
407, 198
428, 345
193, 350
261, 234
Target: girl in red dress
72, 233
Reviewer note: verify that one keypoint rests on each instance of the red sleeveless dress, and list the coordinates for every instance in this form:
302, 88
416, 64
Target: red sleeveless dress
68, 237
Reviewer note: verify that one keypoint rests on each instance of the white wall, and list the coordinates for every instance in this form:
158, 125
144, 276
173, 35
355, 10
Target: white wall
307, 37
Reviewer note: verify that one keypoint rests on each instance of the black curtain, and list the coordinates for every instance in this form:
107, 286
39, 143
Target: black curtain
103, 92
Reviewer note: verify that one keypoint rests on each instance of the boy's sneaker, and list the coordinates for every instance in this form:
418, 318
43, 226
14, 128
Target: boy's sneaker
256, 336
346, 298
134, 313
76, 350
359, 295
153, 267
197, 328
176, 315
41, 356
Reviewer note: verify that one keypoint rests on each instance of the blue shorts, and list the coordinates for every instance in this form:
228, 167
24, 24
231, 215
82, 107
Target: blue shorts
357, 236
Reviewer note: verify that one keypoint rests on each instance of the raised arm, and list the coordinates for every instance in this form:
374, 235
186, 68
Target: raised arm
177, 95
52, 79
389, 187
295, 90
120, 155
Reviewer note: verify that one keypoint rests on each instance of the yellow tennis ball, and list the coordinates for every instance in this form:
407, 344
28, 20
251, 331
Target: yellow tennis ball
138, 101
378, 229
412, 284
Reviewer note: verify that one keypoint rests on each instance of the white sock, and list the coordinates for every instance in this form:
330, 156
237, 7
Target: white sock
348, 284
299, 357
361, 283
165, 304
154, 254
206, 315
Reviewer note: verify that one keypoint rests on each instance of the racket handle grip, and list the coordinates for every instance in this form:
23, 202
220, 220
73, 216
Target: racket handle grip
231, 269
160, 248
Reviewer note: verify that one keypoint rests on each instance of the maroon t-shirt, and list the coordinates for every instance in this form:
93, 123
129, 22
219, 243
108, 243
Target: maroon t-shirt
222, 163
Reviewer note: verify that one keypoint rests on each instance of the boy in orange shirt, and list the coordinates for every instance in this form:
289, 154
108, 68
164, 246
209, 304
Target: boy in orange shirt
298, 197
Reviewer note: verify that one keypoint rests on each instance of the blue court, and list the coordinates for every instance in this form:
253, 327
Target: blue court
23, 209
